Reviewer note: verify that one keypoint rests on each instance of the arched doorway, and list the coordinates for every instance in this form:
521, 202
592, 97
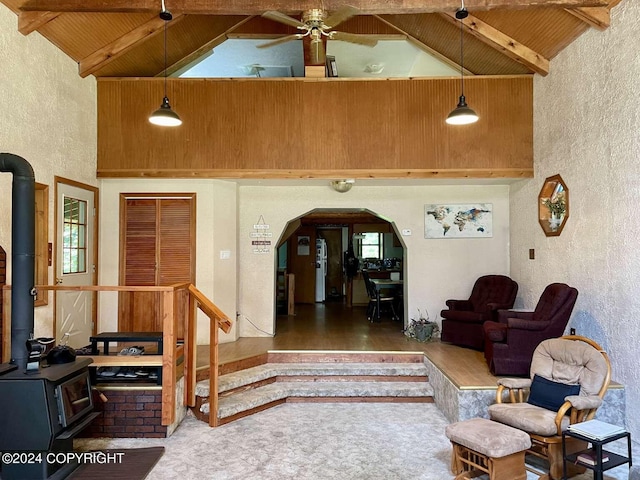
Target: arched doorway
321, 280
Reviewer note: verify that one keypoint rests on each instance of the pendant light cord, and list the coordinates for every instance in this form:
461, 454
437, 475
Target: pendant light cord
461, 60
165, 58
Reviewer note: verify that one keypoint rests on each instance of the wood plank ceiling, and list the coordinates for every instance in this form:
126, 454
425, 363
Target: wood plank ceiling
122, 38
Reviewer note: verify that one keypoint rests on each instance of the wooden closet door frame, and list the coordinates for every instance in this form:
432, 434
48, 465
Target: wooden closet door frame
122, 221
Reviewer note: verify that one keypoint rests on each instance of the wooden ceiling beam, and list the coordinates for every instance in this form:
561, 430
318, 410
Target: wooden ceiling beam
597, 17
257, 7
100, 58
31, 21
503, 43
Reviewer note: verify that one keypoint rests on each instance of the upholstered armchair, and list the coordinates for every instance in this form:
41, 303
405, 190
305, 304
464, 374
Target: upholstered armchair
462, 321
509, 343
569, 377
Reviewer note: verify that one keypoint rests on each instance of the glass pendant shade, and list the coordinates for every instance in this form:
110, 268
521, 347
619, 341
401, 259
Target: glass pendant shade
462, 114
164, 116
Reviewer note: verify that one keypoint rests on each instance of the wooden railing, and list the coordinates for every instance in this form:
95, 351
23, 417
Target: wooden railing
171, 317
217, 320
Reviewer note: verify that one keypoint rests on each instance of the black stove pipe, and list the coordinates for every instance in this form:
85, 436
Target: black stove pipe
22, 254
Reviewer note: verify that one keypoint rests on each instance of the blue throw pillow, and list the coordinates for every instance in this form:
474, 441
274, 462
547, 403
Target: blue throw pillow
549, 394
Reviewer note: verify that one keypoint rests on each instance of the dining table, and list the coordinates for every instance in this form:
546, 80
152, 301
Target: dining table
385, 283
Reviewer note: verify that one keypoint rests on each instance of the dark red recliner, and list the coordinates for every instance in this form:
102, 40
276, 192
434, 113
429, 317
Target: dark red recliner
462, 321
510, 342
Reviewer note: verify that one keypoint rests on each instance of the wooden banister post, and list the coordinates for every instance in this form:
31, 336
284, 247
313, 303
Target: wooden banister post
190, 352
169, 330
213, 373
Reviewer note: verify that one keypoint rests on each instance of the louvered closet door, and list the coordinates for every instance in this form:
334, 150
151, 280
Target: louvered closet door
158, 248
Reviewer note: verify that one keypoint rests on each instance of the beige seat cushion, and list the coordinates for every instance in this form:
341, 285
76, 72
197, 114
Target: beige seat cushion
527, 417
489, 438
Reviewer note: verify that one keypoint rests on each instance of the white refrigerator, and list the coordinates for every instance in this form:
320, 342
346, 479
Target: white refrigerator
321, 269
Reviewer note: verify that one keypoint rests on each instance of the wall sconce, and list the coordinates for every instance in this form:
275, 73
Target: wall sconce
342, 186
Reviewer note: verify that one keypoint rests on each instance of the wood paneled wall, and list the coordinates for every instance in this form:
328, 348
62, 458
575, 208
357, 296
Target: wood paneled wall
261, 128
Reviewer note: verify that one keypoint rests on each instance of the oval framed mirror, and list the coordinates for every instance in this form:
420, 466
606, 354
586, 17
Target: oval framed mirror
553, 206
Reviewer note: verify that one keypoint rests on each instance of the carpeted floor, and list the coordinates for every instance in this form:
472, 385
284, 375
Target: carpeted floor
345, 441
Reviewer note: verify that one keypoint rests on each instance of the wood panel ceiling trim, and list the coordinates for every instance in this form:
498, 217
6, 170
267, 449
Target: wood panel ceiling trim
307, 174
503, 43
31, 21
252, 7
102, 57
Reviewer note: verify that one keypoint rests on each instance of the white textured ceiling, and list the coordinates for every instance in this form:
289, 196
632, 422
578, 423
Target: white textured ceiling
390, 58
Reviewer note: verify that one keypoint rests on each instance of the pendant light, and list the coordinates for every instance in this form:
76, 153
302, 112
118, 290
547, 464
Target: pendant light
462, 114
164, 116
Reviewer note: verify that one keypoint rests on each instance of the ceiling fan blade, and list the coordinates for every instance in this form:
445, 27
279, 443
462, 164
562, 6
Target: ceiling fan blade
340, 15
354, 38
317, 54
286, 19
278, 41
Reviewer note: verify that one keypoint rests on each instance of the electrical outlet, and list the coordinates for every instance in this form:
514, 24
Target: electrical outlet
532, 254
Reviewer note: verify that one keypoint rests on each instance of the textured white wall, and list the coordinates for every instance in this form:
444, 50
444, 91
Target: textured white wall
216, 227
435, 270
586, 128
49, 118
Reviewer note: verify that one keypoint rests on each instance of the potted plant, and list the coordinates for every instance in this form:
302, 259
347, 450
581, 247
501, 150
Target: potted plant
422, 329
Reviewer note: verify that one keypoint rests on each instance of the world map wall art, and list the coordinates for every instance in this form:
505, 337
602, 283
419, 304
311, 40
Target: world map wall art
458, 220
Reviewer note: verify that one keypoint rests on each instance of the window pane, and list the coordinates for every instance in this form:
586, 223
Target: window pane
74, 235
370, 251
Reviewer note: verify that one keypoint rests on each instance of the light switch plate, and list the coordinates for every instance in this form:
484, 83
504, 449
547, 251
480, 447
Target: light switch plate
406, 232
225, 254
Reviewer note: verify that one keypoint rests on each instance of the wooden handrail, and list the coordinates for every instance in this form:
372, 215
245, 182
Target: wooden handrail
169, 315
217, 320
210, 309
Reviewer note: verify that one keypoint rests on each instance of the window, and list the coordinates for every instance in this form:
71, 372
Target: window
43, 254
74, 236
371, 245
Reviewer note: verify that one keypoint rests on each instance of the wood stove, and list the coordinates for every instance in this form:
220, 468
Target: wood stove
42, 412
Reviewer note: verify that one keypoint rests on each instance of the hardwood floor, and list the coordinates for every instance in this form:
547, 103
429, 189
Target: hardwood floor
333, 326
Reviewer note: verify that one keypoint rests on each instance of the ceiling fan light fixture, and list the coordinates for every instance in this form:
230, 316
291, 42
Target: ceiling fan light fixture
342, 186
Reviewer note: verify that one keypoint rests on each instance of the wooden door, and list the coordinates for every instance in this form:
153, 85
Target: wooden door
75, 261
157, 248
302, 258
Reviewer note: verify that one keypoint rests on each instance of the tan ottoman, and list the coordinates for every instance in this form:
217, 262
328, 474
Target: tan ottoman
482, 446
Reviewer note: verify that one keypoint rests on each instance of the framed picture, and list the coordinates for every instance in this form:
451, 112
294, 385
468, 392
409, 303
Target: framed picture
458, 220
304, 245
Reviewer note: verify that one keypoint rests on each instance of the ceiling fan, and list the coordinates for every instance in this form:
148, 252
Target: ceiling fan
316, 24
